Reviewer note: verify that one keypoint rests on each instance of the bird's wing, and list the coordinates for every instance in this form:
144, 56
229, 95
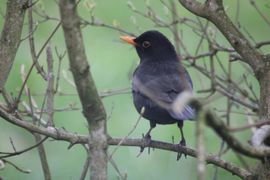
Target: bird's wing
164, 89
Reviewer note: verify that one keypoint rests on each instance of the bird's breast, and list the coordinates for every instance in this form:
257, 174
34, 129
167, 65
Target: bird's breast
152, 112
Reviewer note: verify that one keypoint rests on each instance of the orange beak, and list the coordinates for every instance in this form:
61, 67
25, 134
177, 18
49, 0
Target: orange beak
128, 39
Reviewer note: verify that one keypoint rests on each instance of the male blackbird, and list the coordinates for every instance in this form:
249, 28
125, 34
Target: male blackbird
158, 80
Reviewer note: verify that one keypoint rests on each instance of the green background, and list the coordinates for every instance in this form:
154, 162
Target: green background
111, 63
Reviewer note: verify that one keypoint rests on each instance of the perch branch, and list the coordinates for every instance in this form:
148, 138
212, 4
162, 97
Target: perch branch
73, 138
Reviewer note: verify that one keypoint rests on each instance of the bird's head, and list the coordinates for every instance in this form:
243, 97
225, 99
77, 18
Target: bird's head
152, 46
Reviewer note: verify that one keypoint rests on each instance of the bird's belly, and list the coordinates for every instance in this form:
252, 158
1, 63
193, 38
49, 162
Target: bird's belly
153, 112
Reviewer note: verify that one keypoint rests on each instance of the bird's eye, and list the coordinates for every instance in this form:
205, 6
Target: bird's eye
146, 44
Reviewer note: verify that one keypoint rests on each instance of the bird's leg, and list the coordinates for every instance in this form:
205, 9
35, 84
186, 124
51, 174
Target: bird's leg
147, 138
182, 141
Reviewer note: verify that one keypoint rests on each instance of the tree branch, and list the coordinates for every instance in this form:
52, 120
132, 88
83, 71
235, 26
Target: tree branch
74, 138
93, 109
200, 145
210, 159
50, 87
213, 11
10, 36
223, 131
39, 142
194, 6
39, 68
16, 167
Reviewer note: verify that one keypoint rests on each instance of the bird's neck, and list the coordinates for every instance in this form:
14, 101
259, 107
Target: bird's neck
151, 66
159, 60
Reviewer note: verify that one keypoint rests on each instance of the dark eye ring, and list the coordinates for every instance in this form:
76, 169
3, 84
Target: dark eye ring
146, 44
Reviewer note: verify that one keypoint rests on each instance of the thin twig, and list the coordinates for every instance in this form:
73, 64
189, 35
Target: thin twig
85, 167
112, 92
12, 144
33, 64
9, 154
26, 171
41, 149
65, 76
32, 42
130, 132
26, 89
43, 157
60, 58
99, 23
253, 3
50, 87
247, 127
114, 165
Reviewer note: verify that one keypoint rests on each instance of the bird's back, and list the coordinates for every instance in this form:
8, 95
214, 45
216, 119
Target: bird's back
155, 86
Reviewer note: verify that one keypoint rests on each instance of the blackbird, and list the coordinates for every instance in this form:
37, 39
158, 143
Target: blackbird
158, 80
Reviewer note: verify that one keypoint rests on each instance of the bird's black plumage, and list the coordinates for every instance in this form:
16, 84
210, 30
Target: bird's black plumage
158, 80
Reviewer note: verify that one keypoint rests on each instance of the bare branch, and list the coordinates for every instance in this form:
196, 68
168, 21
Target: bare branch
210, 159
33, 64
38, 137
85, 167
16, 167
93, 109
120, 175
213, 11
74, 138
50, 87
222, 130
253, 3
43, 157
130, 132
32, 42
111, 92
10, 36
194, 6
249, 126
201, 165
98, 23
262, 43
22, 151
60, 58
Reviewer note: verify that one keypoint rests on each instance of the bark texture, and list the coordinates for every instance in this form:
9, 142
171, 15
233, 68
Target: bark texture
93, 109
10, 36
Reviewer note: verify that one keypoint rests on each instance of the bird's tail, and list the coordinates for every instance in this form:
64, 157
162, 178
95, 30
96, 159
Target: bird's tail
188, 113
181, 109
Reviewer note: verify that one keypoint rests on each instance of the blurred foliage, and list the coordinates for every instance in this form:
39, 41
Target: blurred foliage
111, 65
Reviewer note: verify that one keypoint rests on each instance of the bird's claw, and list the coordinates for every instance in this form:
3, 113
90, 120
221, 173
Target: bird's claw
182, 143
147, 141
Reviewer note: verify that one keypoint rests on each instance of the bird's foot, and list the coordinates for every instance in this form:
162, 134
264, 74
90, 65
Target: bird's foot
181, 144
147, 141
